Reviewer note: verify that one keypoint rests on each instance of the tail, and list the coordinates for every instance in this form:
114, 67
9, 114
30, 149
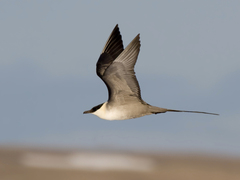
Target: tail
172, 110
157, 110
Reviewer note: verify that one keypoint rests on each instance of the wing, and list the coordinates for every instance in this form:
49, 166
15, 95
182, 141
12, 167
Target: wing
111, 50
120, 76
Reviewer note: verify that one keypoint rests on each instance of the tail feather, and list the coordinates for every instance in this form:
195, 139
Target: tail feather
157, 110
172, 110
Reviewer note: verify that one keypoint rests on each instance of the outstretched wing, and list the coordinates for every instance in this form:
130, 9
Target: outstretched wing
118, 72
111, 50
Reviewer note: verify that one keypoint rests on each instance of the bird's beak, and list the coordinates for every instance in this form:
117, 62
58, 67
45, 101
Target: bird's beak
87, 112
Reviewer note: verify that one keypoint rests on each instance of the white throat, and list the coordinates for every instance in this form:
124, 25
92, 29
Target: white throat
101, 112
109, 114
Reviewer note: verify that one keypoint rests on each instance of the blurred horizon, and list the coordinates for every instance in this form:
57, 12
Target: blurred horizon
40, 163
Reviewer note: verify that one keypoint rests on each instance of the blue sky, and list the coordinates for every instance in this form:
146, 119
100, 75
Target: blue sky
189, 59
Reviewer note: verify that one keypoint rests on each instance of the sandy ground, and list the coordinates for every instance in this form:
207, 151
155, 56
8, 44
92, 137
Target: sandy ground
39, 164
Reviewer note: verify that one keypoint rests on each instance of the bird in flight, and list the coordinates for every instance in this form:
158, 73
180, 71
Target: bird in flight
115, 67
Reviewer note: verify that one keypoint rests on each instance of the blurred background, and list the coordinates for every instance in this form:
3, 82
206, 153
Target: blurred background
189, 59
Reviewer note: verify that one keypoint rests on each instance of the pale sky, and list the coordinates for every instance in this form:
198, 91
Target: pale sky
189, 59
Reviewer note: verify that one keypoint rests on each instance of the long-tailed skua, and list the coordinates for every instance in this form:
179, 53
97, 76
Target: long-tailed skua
115, 67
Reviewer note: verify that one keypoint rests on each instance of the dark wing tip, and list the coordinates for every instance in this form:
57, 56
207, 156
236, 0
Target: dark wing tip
114, 44
111, 50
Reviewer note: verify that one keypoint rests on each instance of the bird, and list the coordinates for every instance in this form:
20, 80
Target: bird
115, 67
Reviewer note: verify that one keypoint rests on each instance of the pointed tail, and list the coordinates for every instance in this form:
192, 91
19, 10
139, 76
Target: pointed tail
157, 110
172, 110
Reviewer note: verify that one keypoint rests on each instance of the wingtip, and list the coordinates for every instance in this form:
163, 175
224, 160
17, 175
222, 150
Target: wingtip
137, 37
116, 27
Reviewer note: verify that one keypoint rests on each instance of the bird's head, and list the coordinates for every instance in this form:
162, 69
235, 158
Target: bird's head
94, 109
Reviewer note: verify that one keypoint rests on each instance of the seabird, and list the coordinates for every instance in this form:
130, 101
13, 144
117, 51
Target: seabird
115, 67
